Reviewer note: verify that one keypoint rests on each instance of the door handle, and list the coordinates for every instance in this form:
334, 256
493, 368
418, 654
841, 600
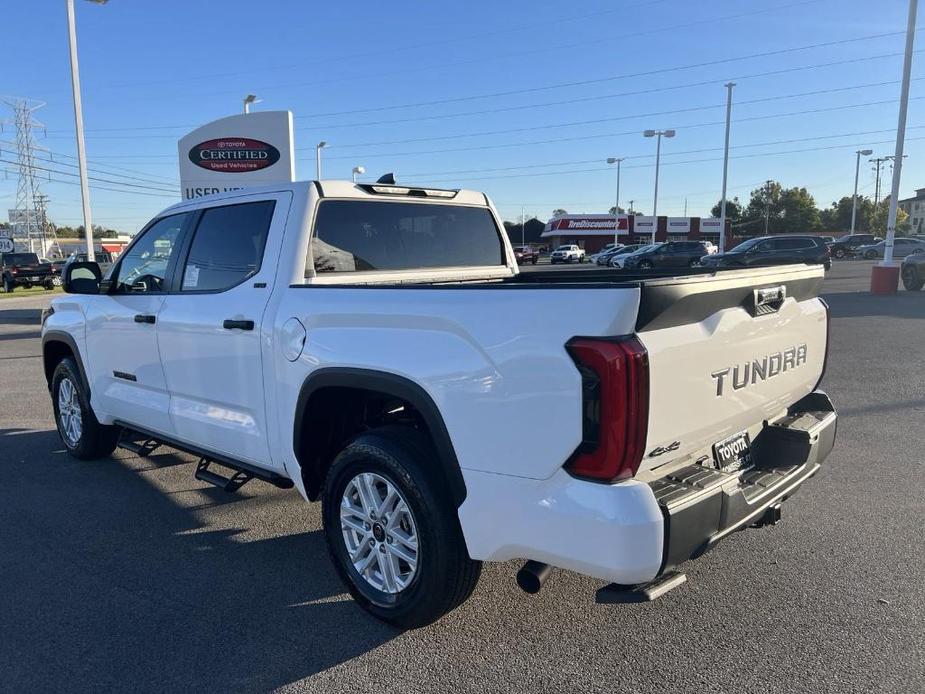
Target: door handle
238, 324
145, 318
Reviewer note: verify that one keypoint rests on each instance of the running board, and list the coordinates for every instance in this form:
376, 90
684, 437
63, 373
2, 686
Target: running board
646, 592
243, 472
143, 449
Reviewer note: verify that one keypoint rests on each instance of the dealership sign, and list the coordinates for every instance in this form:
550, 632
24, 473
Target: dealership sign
586, 225
236, 152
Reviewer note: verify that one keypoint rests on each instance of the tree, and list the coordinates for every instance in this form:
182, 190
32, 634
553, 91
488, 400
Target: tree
611, 210
790, 210
559, 212
838, 216
532, 230
734, 210
881, 215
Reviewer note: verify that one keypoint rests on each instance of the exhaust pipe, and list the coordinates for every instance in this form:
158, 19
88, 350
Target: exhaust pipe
532, 576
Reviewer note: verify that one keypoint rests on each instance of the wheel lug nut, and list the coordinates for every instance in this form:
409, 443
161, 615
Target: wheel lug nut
381, 548
389, 539
372, 515
367, 526
372, 542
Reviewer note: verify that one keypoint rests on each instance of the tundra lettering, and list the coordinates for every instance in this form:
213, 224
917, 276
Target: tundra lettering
757, 370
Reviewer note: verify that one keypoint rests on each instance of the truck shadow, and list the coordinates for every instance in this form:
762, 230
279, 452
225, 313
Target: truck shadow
863, 304
109, 582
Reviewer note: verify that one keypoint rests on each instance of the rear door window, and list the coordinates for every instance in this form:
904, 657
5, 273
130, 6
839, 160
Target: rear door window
363, 236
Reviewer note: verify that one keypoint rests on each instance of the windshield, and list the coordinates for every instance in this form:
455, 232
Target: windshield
746, 245
564, 248
646, 248
21, 259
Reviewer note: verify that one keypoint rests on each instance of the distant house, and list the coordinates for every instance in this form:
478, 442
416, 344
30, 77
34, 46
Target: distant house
915, 208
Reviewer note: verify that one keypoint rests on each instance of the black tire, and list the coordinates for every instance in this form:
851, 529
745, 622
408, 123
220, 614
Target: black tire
838, 252
870, 255
8, 285
911, 279
95, 440
49, 285
445, 575
694, 262
645, 264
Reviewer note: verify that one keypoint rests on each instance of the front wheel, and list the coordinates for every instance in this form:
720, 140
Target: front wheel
645, 265
838, 252
694, 263
911, 280
80, 431
57, 281
392, 529
870, 255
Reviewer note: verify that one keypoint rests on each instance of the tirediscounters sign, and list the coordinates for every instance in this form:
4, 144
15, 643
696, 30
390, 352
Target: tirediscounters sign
586, 225
236, 152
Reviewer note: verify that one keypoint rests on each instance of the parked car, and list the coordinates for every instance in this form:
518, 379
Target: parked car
772, 250
102, 258
671, 254
845, 246
226, 330
56, 265
603, 258
526, 254
24, 270
569, 253
901, 248
616, 260
829, 240
913, 272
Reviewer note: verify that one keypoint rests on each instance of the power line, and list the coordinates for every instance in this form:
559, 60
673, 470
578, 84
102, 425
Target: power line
600, 80
635, 131
93, 178
611, 119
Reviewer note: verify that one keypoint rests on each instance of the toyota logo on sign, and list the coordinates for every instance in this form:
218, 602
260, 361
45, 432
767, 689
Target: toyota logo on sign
234, 155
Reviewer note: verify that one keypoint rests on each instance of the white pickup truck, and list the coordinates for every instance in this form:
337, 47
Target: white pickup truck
569, 253
376, 347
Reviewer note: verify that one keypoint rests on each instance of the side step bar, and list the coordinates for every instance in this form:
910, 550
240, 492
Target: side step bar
243, 472
143, 450
646, 592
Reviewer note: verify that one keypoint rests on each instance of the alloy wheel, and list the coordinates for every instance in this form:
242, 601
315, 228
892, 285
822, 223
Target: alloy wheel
379, 532
70, 419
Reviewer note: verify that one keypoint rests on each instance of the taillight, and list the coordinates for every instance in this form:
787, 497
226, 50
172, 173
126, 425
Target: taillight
615, 407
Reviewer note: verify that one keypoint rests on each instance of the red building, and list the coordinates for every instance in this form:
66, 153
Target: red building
594, 231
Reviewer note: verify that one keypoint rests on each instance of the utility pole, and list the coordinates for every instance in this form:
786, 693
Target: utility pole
877, 161
630, 210
854, 198
79, 128
26, 223
523, 225
767, 205
885, 277
722, 208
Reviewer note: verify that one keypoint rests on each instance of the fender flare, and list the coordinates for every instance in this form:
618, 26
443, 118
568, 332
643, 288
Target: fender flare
67, 339
395, 386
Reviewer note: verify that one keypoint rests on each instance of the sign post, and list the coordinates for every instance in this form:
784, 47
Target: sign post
236, 152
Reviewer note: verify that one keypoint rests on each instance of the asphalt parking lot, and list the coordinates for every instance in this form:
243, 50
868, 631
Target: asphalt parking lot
129, 574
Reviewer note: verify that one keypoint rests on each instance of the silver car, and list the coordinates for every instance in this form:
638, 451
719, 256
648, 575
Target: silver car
913, 272
901, 248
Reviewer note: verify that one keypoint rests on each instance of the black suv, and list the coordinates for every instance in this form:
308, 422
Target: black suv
773, 250
665, 255
24, 270
844, 246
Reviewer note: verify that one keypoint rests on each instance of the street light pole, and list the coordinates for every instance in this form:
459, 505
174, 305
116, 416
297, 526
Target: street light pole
321, 145
658, 155
616, 207
79, 126
722, 206
358, 171
857, 168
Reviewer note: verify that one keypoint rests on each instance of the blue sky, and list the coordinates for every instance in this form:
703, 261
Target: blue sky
365, 75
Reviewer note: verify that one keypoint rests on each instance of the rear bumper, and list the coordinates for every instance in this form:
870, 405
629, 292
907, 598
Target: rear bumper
702, 505
631, 532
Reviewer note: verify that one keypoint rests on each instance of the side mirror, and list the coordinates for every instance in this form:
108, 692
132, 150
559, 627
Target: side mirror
82, 278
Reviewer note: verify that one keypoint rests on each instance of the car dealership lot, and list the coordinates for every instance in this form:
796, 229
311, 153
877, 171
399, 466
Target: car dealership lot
131, 574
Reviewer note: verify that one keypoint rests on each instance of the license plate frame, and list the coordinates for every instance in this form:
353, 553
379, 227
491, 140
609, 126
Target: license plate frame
733, 453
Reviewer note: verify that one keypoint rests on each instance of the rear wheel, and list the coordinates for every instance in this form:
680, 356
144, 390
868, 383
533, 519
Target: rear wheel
392, 530
838, 252
911, 279
870, 255
80, 431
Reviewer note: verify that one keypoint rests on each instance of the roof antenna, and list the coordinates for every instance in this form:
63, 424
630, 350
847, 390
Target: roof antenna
388, 179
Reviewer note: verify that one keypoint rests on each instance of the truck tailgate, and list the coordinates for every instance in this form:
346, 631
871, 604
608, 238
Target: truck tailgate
726, 353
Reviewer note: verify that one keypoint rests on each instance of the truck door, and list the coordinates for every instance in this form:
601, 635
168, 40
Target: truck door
211, 326
126, 378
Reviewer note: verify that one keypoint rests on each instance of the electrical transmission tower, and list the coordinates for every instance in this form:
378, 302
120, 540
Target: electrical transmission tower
28, 216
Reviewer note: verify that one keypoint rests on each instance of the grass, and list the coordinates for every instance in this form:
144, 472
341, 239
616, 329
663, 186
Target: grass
34, 291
